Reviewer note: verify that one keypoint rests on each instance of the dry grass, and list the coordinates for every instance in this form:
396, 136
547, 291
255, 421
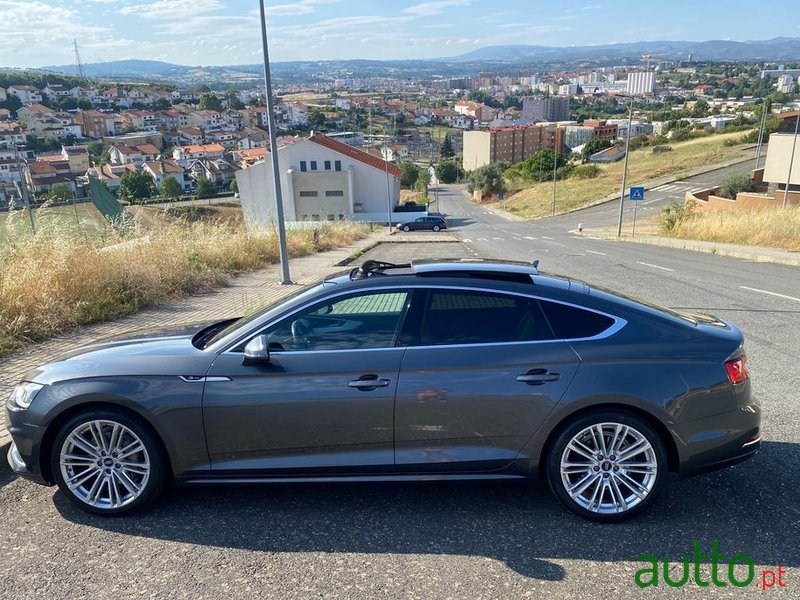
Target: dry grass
59, 279
643, 165
773, 227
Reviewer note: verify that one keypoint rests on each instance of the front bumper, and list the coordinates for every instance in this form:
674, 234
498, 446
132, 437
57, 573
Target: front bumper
19, 467
23, 456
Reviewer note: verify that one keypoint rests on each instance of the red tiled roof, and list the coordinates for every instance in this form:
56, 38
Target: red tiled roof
355, 153
148, 149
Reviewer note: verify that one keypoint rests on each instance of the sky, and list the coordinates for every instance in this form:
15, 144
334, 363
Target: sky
222, 32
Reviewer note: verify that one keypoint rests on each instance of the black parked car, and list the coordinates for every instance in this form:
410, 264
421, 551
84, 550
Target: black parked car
433, 370
430, 222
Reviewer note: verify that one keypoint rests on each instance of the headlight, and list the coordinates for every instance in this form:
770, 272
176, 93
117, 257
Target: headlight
23, 394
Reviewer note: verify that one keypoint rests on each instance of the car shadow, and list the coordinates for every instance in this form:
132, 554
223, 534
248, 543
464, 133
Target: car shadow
751, 509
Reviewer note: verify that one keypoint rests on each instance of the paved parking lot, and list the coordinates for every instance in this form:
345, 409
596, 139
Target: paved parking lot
432, 540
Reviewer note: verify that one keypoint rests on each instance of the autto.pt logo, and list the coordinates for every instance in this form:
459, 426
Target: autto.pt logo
737, 571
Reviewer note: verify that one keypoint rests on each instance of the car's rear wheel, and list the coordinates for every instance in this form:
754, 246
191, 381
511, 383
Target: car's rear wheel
607, 466
406, 228
108, 462
436, 228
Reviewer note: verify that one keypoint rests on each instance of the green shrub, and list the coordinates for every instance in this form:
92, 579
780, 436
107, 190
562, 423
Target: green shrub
676, 213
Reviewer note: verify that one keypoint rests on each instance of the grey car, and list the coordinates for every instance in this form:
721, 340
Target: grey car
462, 369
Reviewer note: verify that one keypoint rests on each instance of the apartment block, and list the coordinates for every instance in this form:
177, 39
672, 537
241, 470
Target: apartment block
510, 144
546, 108
641, 82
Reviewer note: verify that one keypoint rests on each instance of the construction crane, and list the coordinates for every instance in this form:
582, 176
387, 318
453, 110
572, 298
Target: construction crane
80, 71
646, 58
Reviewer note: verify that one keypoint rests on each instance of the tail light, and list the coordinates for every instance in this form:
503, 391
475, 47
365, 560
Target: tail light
737, 369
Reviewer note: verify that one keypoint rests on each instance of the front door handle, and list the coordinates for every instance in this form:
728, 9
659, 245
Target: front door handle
538, 377
368, 382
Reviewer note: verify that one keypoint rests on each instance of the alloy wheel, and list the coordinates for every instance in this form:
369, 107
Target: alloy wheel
104, 464
608, 468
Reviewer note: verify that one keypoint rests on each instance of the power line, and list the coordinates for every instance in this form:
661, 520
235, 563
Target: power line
80, 71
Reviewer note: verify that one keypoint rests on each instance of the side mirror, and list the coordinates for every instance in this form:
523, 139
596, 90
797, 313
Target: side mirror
257, 350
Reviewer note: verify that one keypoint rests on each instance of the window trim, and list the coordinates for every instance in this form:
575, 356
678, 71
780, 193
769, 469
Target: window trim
619, 322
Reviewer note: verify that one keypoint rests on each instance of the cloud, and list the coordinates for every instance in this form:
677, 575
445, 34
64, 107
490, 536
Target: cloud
303, 7
429, 9
171, 9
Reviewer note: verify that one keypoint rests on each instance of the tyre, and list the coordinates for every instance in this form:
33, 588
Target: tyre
108, 462
406, 228
607, 466
436, 228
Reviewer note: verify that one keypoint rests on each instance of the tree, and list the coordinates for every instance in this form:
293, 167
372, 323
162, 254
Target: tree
538, 167
170, 188
447, 148
408, 174
447, 171
700, 108
316, 117
423, 179
233, 186
60, 192
136, 185
206, 188
210, 102
234, 103
487, 179
595, 145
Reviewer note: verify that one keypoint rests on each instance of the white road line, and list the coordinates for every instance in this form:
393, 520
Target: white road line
659, 188
544, 237
744, 287
655, 266
529, 237
482, 240
499, 239
467, 241
596, 252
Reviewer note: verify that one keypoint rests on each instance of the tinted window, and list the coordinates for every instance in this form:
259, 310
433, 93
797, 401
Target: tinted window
569, 322
327, 165
355, 322
303, 166
467, 317
338, 165
313, 165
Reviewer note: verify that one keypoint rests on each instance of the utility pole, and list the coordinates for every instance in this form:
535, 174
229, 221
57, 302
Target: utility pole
791, 163
761, 131
23, 188
388, 187
273, 147
625, 168
555, 166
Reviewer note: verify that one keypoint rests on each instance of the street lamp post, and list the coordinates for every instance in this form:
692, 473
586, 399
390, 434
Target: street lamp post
761, 131
625, 168
555, 165
273, 146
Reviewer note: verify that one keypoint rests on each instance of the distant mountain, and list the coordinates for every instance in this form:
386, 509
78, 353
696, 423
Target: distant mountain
776, 49
781, 48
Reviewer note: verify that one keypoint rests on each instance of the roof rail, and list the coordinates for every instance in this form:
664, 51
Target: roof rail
371, 268
474, 265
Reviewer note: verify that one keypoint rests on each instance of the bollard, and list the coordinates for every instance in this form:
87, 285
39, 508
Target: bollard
580, 227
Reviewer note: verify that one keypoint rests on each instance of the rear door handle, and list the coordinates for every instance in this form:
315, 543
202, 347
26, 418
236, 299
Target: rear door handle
368, 382
538, 377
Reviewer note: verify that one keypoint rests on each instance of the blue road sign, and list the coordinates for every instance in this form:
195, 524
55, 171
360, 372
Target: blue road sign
637, 194
501, 196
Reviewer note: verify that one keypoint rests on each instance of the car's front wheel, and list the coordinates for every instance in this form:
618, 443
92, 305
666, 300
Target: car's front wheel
406, 228
436, 228
108, 462
607, 466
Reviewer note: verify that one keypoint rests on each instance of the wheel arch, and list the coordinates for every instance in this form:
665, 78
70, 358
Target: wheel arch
58, 421
673, 456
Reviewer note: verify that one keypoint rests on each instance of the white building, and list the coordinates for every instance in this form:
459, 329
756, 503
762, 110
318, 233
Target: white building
26, 93
785, 83
321, 179
641, 82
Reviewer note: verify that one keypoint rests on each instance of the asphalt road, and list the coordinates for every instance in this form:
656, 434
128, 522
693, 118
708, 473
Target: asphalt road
456, 540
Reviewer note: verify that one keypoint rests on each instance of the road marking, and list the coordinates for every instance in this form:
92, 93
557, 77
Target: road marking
500, 239
655, 266
596, 252
529, 237
482, 240
659, 188
467, 241
744, 287
544, 237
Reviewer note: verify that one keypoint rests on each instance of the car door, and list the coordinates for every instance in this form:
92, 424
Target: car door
324, 401
479, 379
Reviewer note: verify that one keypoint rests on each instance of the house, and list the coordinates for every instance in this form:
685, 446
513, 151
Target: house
139, 120
3, 95
34, 111
42, 175
11, 134
95, 124
219, 170
163, 168
207, 119
110, 175
251, 137
54, 90
191, 135
510, 144
186, 155
609, 155
603, 130
248, 157
783, 158
26, 93
5, 114
122, 154
174, 120
77, 157
297, 114
321, 179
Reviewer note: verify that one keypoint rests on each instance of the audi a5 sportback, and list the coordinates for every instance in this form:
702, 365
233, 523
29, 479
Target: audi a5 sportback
433, 370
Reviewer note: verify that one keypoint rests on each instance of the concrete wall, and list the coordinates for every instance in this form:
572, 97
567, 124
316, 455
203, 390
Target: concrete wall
779, 151
477, 149
706, 201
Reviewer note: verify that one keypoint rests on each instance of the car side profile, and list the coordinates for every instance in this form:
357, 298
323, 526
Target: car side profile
447, 369
429, 223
